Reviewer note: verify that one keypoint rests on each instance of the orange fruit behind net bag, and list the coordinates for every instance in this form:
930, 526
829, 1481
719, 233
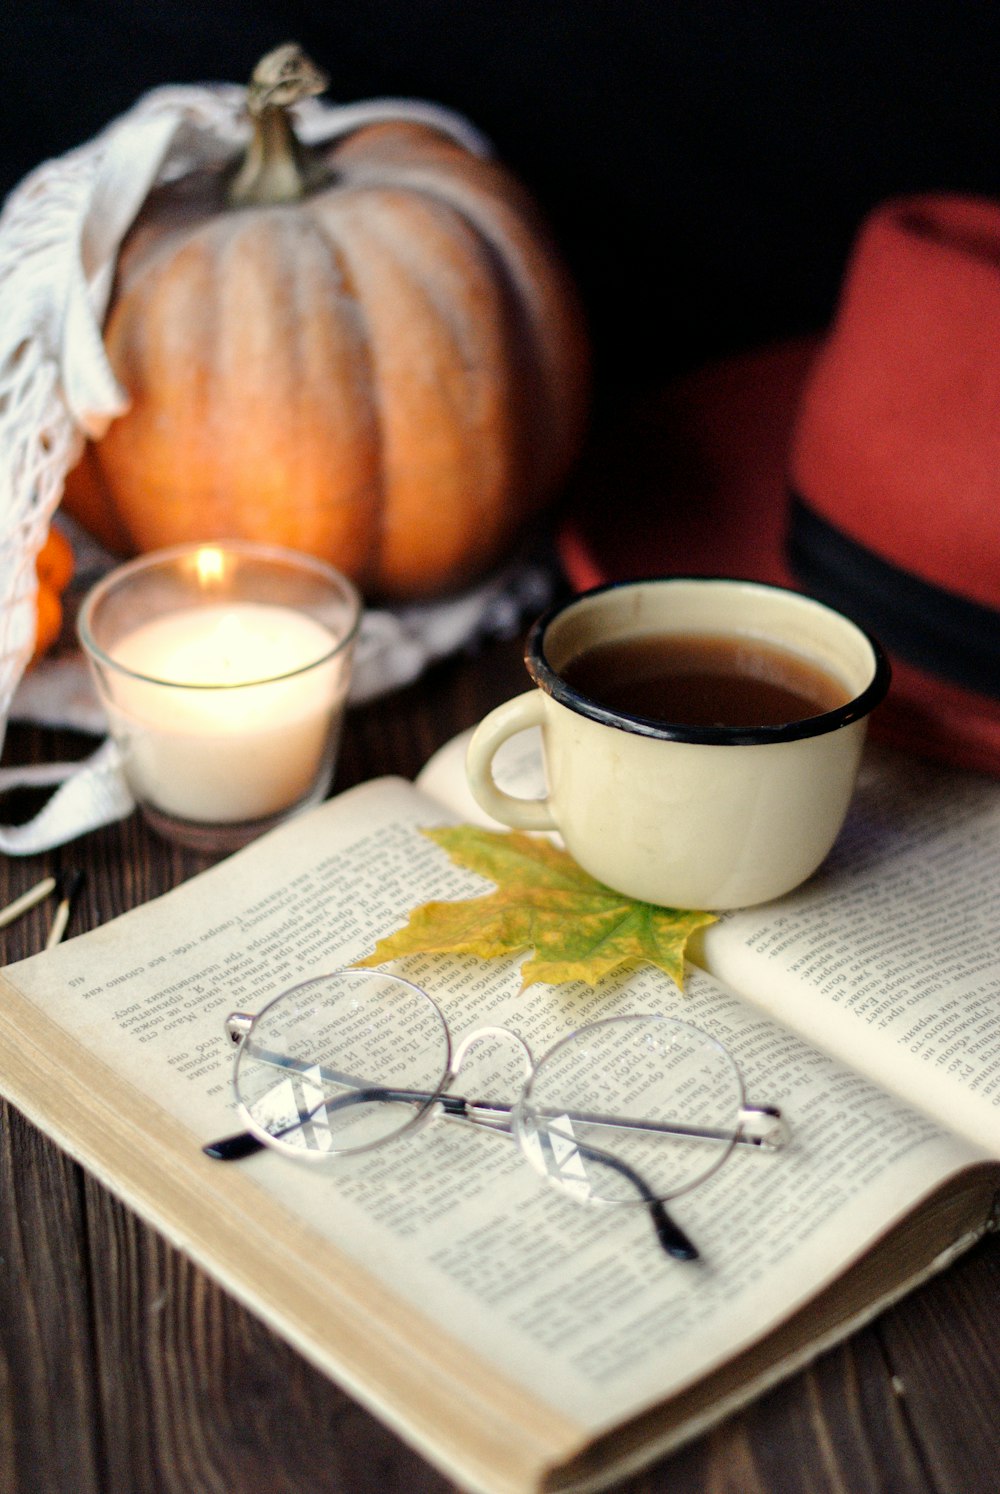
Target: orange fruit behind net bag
54, 567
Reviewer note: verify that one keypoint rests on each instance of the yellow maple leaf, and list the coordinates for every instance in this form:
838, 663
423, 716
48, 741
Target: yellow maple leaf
577, 928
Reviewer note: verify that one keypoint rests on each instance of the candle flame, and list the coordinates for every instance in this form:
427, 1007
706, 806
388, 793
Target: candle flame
210, 564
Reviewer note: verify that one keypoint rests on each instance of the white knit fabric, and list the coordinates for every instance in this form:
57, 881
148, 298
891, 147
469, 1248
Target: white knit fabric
60, 231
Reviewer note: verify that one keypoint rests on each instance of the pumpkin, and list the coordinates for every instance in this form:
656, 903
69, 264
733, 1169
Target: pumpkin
54, 570
369, 351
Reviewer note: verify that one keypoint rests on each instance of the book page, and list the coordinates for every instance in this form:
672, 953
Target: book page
889, 956
576, 1304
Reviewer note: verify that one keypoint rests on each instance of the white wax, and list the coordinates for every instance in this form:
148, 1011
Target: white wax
248, 749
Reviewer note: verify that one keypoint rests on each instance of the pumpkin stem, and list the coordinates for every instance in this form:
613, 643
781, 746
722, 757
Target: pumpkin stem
277, 166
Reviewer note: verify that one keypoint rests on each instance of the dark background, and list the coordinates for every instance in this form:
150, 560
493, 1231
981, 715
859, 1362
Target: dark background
705, 163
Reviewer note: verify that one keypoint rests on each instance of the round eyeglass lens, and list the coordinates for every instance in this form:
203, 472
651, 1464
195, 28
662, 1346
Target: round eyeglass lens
631, 1109
342, 1063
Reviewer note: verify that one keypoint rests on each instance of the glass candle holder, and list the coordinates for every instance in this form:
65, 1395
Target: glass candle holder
223, 669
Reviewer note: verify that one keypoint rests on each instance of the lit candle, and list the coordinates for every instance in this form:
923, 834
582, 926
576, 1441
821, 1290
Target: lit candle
218, 721
224, 671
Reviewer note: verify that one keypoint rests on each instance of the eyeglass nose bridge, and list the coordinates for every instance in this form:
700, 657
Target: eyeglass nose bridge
466, 1043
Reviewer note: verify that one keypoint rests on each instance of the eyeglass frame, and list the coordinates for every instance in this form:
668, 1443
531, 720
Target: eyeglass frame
771, 1133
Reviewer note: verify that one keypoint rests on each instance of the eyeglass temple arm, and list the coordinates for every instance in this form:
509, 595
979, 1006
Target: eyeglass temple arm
671, 1237
760, 1125
233, 1148
772, 1133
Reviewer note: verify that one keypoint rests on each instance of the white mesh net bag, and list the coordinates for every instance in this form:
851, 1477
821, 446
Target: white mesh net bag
60, 231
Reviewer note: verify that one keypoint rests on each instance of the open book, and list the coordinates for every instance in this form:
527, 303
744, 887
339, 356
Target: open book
518, 1340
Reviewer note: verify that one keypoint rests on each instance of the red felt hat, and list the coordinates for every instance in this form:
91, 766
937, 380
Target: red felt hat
863, 468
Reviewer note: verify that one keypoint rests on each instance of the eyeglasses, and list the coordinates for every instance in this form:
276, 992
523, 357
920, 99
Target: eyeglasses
627, 1110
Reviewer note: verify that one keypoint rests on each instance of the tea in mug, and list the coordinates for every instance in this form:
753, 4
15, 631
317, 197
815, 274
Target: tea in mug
694, 679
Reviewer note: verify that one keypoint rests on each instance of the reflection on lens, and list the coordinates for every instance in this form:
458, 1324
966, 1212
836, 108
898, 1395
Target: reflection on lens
341, 1063
676, 1088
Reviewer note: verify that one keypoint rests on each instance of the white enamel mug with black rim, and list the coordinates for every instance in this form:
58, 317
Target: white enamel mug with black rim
707, 817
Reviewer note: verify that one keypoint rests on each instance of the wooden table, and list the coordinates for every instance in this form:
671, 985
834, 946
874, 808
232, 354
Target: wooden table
124, 1370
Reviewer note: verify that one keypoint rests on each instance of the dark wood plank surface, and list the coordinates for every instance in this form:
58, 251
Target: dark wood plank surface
124, 1370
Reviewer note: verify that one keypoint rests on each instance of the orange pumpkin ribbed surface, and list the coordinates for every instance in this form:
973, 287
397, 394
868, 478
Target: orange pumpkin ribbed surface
388, 370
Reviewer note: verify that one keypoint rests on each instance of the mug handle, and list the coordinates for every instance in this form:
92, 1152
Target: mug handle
487, 739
